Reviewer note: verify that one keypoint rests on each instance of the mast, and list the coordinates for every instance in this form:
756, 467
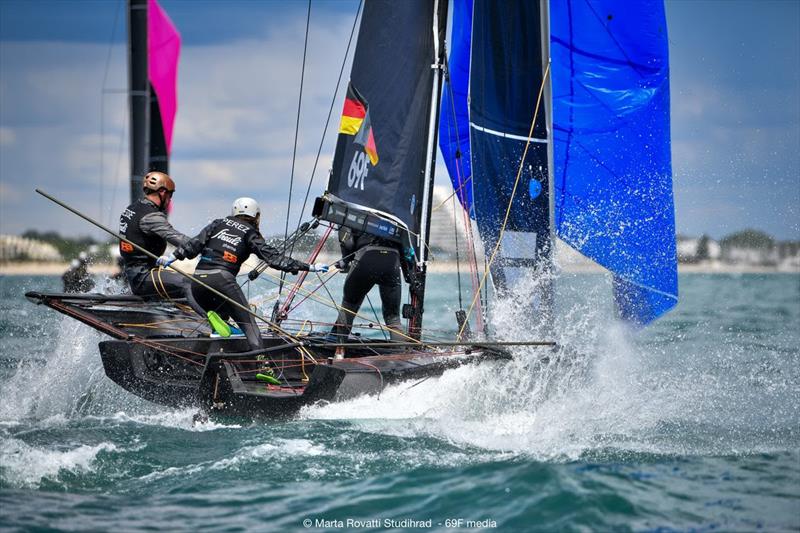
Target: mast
417, 291
138, 95
547, 101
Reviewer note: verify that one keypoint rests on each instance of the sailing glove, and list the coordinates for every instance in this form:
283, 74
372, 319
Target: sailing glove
343, 266
165, 260
318, 267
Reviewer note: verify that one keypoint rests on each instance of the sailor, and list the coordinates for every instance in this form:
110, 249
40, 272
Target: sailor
77, 278
145, 223
223, 246
368, 261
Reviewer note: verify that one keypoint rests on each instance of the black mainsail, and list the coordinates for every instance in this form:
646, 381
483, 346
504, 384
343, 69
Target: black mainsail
385, 152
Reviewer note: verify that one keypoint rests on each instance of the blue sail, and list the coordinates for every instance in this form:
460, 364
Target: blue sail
509, 152
612, 167
611, 163
454, 114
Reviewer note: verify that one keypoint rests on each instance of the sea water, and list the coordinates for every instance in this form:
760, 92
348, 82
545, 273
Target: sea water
692, 424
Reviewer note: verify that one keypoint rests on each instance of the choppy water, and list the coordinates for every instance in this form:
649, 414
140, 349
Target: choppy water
691, 425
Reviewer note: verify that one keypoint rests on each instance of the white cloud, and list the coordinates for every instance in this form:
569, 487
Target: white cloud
234, 131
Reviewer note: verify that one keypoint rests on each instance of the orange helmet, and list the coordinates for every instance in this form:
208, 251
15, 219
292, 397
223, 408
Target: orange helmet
155, 181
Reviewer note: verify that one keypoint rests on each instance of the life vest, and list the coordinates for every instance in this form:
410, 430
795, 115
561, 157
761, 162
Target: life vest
227, 245
129, 228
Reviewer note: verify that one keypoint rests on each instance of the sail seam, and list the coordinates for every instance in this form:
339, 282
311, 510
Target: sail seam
508, 135
646, 287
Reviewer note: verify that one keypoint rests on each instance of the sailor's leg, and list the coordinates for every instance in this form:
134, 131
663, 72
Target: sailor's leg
204, 298
391, 290
175, 285
190, 299
247, 323
160, 283
356, 287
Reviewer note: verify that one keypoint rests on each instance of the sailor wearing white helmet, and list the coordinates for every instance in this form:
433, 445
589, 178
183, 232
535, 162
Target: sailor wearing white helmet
223, 246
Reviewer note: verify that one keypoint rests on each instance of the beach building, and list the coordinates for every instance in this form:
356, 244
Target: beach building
14, 248
697, 249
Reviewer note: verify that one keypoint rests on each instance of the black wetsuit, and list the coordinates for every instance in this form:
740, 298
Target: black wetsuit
371, 261
146, 225
224, 245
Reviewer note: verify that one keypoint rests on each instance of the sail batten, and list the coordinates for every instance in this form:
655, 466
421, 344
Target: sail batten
507, 135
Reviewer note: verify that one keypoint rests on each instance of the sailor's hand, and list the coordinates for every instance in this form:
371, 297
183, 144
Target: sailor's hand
342, 266
165, 260
318, 267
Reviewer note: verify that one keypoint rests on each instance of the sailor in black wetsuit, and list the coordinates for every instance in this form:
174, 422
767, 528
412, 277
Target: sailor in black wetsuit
223, 246
145, 223
370, 261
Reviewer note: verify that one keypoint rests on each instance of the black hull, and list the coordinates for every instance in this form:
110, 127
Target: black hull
209, 374
164, 354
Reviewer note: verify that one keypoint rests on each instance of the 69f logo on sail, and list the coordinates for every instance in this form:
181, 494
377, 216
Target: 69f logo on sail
358, 171
355, 121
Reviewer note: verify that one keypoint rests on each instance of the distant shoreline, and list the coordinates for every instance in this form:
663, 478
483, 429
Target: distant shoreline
56, 269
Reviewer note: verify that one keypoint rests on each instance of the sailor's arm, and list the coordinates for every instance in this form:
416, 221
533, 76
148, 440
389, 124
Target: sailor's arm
273, 256
192, 247
157, 224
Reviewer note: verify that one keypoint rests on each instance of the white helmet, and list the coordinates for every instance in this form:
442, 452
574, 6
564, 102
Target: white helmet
245, 206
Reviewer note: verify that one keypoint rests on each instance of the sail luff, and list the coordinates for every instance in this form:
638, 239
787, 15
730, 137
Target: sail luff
454, 121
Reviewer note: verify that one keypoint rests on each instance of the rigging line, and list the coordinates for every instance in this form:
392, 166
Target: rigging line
330, 112
375, 314
103, 111
334, 305
296, 135
513, 192
116, 172
324, 285
473, 257
302, 277
458, 255
458, 155
456, 192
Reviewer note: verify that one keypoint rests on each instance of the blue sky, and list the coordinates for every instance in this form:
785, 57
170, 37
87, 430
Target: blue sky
735, 110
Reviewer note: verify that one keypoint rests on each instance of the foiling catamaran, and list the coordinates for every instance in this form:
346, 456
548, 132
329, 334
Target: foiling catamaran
584, 157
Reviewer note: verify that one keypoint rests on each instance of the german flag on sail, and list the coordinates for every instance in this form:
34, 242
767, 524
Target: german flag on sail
355, 121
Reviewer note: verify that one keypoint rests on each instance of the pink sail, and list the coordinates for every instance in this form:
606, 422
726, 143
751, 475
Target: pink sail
163, 48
